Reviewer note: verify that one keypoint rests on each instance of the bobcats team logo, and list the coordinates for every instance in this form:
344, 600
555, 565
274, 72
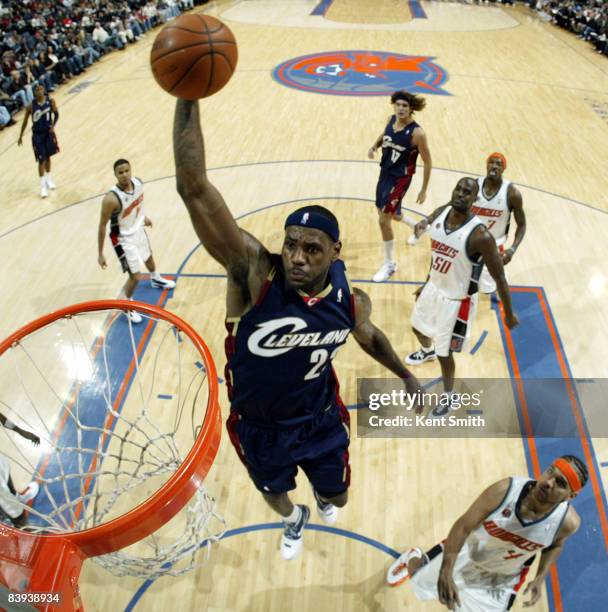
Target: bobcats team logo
362, 73
305, 218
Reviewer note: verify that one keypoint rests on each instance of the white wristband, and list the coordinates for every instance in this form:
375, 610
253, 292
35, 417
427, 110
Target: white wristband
9, 424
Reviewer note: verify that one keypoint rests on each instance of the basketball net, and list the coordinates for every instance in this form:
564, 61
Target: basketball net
118, 408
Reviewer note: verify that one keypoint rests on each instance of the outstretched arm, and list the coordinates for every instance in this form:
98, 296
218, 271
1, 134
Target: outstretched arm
55, 112
516, 205
483, 242
211, 218
421, 226
549, 555
373, 341
28, 112
486, 503
28, 435
377, 143
108, 205
420, 141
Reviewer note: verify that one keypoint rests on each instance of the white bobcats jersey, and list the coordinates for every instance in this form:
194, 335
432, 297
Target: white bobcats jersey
504, 542
494, 212
130, 217
452, 271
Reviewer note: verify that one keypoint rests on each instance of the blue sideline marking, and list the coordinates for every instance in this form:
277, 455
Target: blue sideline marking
484, 335
322, 7
583, 565
417, 10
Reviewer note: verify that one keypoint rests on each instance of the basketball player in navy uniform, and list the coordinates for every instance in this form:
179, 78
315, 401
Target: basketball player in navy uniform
401, 142
43, 111
123, 208
287, 317
489, 551
496, 201
446, 304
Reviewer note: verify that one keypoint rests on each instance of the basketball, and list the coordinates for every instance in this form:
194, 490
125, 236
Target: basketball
194, 56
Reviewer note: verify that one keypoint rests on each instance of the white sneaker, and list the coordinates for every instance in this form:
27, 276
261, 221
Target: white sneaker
291, 540
44, 192
397, 572
29, 492
412, 240
134, 317
49, 183
387, 269
162, 283
420, 356
327, 512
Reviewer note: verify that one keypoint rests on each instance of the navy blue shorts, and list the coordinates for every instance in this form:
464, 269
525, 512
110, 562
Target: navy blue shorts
390, 191
45, 145
272, 456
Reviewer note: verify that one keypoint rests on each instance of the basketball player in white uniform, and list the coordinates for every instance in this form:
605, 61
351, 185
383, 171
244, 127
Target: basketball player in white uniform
123, 207
497, 199
446, 305
484, 561
11, 502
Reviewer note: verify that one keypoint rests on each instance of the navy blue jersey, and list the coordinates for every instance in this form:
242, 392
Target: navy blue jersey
279, 353
398, 154
41, 116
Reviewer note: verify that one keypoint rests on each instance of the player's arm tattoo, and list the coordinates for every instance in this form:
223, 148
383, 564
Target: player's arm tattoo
422, 226
373, 340
479, 510
212, 220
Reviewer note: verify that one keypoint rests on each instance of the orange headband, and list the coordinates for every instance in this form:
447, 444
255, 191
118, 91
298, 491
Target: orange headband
570, 473
499, 156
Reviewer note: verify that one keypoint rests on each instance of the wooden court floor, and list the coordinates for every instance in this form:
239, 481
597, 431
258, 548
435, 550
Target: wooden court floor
516, 85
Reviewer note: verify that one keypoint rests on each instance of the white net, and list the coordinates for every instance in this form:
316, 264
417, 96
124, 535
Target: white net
116, 407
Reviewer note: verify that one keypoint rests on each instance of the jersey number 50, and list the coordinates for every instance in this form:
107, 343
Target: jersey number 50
441, 265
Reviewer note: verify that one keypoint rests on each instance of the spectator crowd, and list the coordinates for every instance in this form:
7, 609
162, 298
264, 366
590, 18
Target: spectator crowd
48, 42
588, 19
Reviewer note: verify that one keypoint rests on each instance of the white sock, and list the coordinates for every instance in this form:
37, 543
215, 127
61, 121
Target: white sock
42, 182
155, 275
408, 220
295, 516
47, 176
430, 349
389, 251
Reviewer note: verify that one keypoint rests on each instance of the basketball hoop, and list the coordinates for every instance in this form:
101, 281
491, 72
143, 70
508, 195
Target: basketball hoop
118, 457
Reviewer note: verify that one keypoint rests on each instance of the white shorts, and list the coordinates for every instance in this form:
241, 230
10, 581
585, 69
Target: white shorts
448, 322
132, 250
486, 283
475, 591
8, 502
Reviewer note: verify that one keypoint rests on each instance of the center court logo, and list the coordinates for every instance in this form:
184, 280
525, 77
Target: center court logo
362, 73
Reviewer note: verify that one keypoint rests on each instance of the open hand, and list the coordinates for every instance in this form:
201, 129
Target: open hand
448, 591
534, 588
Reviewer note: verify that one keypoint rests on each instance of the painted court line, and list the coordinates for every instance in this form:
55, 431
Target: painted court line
534, 351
